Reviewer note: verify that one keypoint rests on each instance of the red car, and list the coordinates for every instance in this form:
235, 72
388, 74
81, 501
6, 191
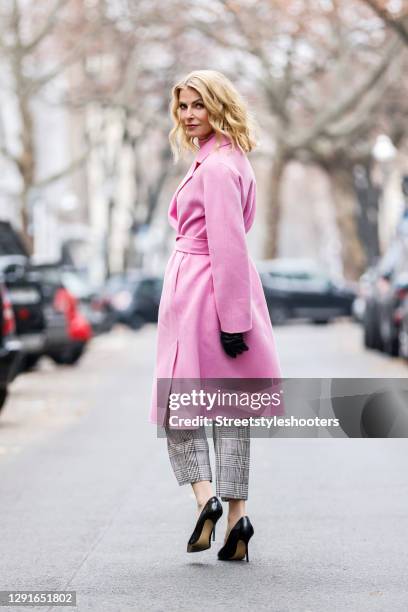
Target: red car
79, 330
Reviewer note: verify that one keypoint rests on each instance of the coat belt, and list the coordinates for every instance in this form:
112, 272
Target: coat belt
189, 244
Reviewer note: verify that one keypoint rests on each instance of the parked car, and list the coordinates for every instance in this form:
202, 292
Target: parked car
385, 298
94, 306
134, 297
27, 300
48, 318
79, 330
25, 294
391, 312
298, 288
68, 330
10, 347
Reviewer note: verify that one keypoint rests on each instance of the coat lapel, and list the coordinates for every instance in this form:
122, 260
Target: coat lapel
172, 214
188, 176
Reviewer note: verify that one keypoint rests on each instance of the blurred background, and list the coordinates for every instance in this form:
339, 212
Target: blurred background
87, 172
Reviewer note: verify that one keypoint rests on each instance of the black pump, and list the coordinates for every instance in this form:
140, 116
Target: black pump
236, 546
201, 537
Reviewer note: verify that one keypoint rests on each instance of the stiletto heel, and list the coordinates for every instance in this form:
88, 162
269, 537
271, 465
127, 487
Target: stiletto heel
201, 537
236, 546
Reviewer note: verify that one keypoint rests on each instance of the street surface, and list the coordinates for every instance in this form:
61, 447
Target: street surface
89, 502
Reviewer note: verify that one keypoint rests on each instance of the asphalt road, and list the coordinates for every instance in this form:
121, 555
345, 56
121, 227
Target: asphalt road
88, 501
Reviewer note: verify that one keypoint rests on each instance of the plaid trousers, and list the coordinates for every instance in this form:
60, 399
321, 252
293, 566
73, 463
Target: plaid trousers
189, 457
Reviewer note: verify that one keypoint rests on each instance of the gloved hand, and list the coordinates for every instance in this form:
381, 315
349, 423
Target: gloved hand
233, 344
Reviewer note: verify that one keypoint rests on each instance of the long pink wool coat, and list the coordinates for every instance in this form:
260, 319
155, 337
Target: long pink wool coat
210, 281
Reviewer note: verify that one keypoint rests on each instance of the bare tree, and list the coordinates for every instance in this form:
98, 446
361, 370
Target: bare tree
323, 72
38, 46
152, 45
140, 106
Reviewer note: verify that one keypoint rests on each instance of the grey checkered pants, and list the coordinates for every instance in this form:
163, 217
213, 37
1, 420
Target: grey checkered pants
189, 458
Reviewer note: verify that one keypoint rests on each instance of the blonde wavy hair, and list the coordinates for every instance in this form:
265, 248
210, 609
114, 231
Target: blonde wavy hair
227, 113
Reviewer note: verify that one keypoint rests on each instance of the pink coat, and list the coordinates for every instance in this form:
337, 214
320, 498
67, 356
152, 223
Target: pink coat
210, 281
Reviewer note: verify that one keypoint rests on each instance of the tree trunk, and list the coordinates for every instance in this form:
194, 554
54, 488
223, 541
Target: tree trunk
274, 206
27, 238
368, 196
346, 209
26, 159
109, 237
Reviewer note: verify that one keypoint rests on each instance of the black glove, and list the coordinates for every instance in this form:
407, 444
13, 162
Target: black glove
233, 344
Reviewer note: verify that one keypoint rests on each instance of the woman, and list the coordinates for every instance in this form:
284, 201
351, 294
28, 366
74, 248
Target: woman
213, 318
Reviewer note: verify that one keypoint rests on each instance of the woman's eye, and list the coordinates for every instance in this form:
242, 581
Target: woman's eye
198, 105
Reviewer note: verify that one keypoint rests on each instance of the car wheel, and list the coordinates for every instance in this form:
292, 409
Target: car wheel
368, 335
136, 322
372, 337
3, 396
68, 356
321, 321
388, 336
30, 361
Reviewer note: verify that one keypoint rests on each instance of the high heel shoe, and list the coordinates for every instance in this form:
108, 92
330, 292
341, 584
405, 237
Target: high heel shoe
236, 546
201, 537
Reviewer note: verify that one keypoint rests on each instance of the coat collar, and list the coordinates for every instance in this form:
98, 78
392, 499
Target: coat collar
208, 145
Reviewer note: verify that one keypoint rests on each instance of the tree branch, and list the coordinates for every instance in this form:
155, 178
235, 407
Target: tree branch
399, 25
76, 163
34, 85
47, 28
352, 99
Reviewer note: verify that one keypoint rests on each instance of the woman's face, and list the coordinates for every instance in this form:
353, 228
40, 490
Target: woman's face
193, 114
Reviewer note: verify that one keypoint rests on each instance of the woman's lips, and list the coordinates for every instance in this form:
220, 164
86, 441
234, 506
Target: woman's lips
192, 126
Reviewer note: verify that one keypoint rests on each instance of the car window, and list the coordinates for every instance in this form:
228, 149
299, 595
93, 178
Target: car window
298, 280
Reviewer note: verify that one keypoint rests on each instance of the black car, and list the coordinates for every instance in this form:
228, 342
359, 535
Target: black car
27, 300
25, 293
40, 326
298, 289
134, 297
10, 347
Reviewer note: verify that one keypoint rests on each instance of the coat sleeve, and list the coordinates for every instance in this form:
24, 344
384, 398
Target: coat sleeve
227, 247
